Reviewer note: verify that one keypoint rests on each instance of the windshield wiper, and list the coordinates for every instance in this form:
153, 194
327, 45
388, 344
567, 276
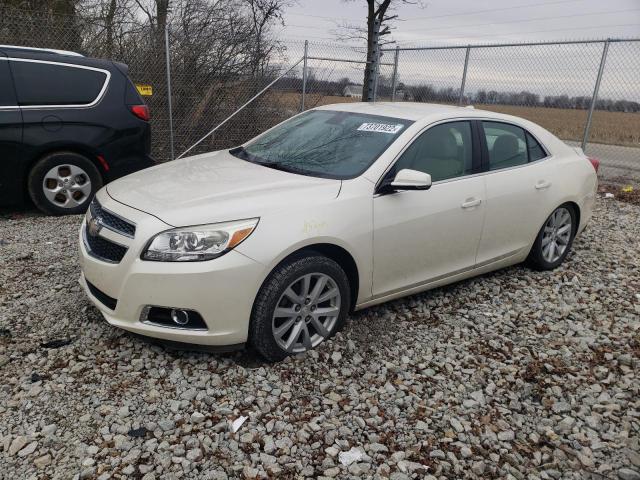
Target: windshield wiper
283, 167
242, 153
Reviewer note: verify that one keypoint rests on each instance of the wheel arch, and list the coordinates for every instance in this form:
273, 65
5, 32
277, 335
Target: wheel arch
336, 253
576, 209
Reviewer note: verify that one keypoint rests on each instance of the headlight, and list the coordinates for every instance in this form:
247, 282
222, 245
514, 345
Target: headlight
198, 243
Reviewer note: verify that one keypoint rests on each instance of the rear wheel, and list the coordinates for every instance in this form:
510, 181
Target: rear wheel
303, 302
554, 240
63, 183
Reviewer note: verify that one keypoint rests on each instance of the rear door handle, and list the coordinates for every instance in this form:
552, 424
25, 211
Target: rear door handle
542, 184
471, 202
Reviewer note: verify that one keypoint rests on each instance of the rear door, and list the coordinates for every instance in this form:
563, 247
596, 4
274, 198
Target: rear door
519, 192
11, 184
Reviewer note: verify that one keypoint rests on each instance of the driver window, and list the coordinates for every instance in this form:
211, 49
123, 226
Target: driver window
443, 151
507, 145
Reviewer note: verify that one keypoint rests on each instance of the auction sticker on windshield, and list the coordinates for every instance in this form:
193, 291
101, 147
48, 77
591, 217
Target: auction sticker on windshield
381, 127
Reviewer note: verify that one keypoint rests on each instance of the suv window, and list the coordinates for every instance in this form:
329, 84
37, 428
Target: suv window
510, 145
6, 85
54, 84
443, 151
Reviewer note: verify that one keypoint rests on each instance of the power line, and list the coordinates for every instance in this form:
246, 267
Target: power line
573, 15
536, 31
514, 7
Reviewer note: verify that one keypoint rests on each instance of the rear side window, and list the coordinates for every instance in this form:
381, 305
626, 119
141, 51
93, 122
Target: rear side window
507, 145
7, 97
54, 84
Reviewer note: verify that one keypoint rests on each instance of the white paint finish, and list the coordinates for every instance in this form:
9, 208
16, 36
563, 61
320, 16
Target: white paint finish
421, 235
219, 187
402, 243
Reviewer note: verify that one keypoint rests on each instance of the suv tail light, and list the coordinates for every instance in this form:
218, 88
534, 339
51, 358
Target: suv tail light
140, 111
595, 162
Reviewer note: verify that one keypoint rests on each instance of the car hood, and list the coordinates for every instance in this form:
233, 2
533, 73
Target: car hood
216, 187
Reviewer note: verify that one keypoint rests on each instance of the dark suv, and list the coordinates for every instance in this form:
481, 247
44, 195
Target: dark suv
68, 124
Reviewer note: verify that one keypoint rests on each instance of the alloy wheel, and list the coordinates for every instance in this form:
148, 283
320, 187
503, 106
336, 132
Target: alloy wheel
556, 235
306, 312
66, 186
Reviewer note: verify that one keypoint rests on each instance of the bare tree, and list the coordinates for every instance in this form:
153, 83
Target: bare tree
377, 10
263, 13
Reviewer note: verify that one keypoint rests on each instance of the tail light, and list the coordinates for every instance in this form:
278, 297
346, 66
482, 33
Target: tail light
140, 111
595, 162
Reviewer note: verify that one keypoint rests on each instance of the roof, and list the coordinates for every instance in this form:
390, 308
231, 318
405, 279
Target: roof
413, 110
41, 50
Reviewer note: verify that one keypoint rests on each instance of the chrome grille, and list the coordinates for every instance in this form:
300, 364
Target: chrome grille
112, 221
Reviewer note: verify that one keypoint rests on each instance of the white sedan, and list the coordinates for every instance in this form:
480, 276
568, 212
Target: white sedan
342, 207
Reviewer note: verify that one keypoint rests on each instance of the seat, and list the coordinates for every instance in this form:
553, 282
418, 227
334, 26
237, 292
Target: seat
440, 156
506, 152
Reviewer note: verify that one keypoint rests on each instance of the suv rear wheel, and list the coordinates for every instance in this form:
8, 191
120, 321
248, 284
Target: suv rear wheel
63, 183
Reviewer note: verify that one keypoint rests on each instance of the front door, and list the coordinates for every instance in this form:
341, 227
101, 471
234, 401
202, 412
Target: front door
422, 236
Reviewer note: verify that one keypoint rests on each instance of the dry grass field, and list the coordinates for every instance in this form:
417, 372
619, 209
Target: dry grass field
612, 128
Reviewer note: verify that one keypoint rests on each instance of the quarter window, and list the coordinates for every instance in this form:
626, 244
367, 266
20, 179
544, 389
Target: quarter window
443, 151
510, 146
536, 152
54, 84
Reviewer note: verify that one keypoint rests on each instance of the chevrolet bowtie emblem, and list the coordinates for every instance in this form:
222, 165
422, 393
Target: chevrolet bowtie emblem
94, 226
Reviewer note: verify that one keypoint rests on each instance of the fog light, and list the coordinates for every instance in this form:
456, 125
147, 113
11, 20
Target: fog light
173, 318
179, 317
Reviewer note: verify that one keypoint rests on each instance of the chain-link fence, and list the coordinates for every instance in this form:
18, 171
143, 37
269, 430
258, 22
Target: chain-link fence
587, 93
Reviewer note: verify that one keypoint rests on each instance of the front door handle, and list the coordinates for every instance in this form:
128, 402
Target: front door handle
542, 184
471, 202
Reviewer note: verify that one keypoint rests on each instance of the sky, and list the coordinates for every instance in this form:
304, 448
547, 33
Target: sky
441, 22
546, 70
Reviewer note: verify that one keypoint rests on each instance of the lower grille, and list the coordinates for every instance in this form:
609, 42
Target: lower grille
104, 249
108, 301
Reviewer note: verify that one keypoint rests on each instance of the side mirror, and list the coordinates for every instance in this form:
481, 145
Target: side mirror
407, 179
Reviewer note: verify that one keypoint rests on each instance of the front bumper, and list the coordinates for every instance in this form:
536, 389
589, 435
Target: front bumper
222, 290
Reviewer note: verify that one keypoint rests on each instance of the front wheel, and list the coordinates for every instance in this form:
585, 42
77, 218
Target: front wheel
303, 302
554, 239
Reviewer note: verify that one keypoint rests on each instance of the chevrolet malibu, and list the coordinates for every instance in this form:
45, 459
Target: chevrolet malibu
274, 242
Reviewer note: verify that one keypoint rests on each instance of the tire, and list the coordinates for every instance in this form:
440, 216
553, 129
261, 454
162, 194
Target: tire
284, 285
553, 236
63, 183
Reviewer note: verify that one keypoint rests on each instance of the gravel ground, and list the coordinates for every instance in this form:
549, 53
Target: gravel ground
516, 374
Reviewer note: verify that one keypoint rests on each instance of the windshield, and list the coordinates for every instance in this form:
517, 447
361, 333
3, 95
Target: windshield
325, 143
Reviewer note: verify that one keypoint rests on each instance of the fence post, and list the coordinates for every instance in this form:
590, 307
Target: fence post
304, 74
377, 75
464, 75
394, 78
594, 98
168, 67
373, 66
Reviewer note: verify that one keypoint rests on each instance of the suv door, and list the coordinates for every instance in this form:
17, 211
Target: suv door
518, 190
11, 188
426, 235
